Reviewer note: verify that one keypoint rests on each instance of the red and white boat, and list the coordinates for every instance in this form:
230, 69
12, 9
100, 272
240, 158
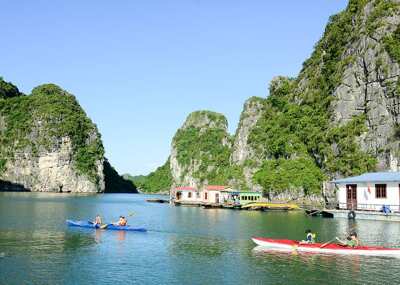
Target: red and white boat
332, 248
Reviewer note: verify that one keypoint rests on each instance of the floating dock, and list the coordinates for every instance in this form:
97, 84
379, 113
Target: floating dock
365, 215
255, 206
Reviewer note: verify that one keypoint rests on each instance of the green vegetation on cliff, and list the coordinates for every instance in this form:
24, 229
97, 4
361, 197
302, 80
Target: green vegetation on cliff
382, 8
37, 122
295, 133
392, 45
204, 148
279, 175
157, 181
8, 90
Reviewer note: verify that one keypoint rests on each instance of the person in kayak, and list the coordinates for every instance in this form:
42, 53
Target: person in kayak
122, 221
352, 240
97, 220
310, 237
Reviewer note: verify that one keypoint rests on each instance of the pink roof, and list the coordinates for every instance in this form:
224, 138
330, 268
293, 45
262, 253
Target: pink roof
185, 188
216, 187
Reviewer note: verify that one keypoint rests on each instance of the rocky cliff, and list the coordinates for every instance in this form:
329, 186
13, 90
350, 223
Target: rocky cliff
243, 154
201, 150
47, 143
369, 81
338, 117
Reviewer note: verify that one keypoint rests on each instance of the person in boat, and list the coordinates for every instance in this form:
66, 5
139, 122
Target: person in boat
97, 220
386, 209
310, 237
122, 221
352, 240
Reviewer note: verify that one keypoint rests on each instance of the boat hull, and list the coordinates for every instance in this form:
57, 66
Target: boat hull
292, 245
85, 224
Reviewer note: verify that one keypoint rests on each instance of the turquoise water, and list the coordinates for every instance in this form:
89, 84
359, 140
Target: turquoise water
184, 245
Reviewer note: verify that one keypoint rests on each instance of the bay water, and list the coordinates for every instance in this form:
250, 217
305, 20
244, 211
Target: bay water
183, 245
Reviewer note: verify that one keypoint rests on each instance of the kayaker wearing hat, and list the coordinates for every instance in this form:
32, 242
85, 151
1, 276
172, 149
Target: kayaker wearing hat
352, 240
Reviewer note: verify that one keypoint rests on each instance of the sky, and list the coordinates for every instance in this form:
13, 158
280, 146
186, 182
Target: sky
138, 68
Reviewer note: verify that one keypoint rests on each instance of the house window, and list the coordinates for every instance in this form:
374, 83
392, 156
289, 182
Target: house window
380, 191
190, 195
205, 196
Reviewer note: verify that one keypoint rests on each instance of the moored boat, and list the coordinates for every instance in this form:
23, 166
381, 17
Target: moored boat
270, 206
86, 224
157, 200
331, 248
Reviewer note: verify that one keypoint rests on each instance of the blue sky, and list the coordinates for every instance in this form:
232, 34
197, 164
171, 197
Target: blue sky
139, 68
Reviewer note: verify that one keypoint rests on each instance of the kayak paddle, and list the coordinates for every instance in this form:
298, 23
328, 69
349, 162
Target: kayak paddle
328, 242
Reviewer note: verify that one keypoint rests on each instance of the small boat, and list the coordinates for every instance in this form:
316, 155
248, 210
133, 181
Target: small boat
319, 213
89, 225
157, 201
270, 206
290, 245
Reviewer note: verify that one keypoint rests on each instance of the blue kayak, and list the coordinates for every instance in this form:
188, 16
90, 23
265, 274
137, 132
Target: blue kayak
89, 225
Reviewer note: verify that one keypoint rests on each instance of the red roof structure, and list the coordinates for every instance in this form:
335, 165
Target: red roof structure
216, 187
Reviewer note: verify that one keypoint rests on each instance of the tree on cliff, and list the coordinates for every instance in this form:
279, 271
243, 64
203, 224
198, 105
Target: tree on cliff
8, 90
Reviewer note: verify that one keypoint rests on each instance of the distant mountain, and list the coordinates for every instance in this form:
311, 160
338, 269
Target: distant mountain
134, 179
114, 183
158, 181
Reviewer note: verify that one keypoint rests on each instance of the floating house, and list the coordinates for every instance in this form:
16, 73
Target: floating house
215, 194
369, 191
187, 195
249, 197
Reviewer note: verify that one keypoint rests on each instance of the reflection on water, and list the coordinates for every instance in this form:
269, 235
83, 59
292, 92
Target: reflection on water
203, 246
183, 245
97, 235
119, 235
332, 268
42, 242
